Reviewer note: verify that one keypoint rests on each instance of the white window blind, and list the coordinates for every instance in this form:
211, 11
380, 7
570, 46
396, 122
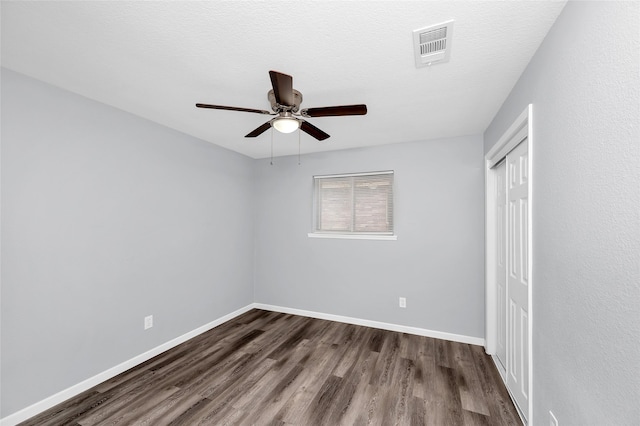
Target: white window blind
359, 203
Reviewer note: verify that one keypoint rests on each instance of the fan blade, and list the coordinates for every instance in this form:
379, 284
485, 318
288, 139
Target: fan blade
313, 131
260, 130
330, 111
259, 111
282, 88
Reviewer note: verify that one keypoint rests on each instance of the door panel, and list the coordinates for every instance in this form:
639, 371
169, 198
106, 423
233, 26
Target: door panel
517, 278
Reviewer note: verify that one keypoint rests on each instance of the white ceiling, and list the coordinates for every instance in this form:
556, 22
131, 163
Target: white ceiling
157, 59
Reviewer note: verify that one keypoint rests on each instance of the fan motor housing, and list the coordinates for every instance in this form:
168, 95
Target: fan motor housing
297, 100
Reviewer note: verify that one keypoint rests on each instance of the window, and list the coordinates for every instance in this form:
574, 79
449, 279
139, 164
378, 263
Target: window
354, 205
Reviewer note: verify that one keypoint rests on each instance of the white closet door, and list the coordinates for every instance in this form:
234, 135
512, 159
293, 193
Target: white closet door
517, 276
501, 262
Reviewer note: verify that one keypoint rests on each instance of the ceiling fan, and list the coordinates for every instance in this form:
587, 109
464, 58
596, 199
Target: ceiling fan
285, 103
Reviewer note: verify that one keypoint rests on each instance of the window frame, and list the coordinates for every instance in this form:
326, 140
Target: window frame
381, 235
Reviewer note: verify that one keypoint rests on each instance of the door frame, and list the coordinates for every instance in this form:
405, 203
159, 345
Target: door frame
520, 130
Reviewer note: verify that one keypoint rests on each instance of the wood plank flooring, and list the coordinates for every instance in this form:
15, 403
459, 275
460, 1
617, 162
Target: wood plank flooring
268, 368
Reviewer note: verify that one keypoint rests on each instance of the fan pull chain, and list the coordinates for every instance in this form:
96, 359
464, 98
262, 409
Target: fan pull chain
272, 145
298, 146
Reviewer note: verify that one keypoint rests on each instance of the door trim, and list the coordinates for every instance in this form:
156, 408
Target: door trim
520, 130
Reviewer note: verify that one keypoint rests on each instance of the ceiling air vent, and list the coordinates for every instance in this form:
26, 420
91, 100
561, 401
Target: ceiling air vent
433, 44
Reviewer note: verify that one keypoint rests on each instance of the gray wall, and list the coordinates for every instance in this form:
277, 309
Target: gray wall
584, 84
106, 218
436, 263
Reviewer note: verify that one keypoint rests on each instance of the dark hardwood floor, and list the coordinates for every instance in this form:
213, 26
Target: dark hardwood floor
267, 368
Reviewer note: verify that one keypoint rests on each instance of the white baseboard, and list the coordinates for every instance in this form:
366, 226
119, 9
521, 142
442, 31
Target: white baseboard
375, 324
74, 390
501, 370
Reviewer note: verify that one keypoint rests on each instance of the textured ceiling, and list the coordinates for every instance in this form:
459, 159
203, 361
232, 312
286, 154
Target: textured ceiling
157, 59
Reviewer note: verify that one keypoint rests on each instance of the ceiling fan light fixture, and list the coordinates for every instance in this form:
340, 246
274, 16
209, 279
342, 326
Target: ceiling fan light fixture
285, 102
286, 124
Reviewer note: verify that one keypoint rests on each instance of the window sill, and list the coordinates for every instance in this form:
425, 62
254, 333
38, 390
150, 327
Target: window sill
353, 236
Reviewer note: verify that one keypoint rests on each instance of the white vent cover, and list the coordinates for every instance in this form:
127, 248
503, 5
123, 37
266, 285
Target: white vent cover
433, 44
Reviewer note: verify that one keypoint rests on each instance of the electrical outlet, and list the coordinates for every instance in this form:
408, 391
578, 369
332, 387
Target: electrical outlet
402, 302
552, 419
148, 322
